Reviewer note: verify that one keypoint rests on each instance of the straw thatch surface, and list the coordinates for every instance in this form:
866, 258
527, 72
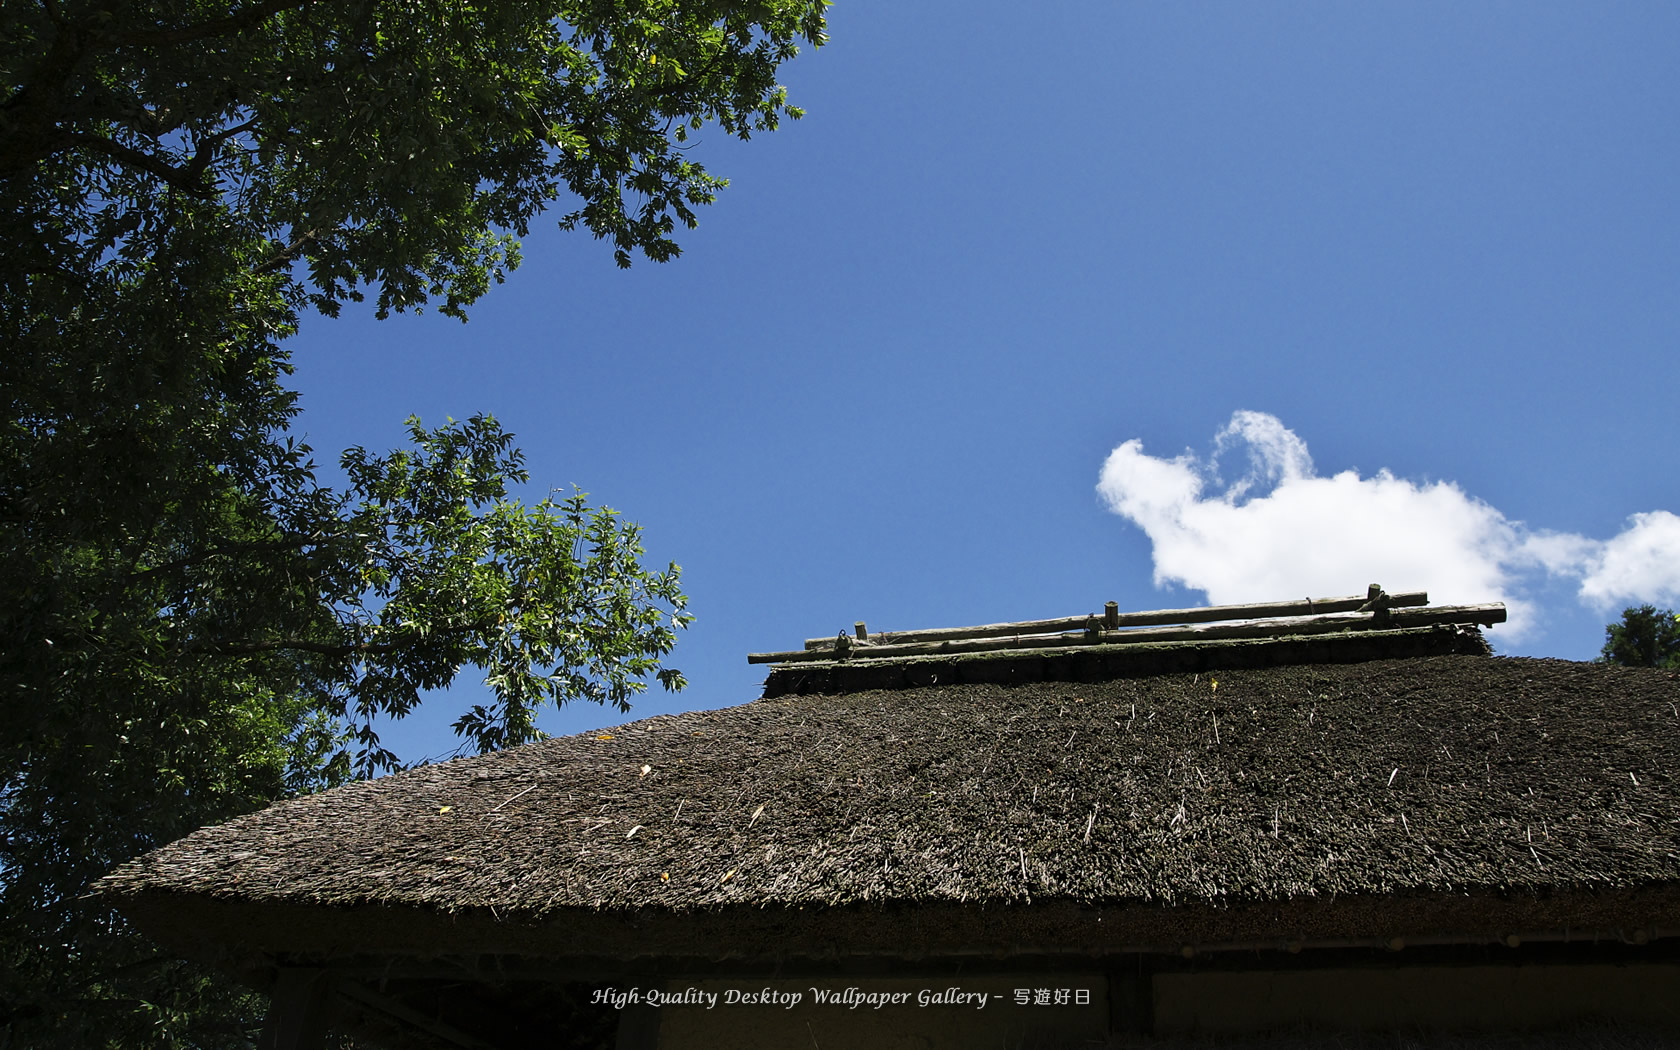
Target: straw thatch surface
1279, 802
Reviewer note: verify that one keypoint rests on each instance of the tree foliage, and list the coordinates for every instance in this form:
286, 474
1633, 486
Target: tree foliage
191, 625
402, 146
1645, 637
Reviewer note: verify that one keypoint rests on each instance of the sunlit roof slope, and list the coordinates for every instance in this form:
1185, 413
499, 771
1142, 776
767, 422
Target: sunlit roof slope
1445, 796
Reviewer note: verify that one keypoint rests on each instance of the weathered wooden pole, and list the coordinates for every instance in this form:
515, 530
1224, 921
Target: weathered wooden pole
298, 1015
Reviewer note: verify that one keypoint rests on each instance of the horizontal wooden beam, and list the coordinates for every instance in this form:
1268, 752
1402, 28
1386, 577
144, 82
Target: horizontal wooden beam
1485, 615
1089, 663
1201, 614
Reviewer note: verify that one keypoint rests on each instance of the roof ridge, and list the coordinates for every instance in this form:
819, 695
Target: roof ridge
1377, 615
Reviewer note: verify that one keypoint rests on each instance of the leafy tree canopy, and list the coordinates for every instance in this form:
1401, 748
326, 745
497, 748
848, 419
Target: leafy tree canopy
1646, 637
191, 625
401, 146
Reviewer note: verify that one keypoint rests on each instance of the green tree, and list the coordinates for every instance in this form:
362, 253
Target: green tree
1646, 637
397, 145
191, 626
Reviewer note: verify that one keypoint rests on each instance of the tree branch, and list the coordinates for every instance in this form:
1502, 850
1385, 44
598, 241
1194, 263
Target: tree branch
31, 118
303, 645
237, 22
290, 253
295, 542
204, 152
187, 180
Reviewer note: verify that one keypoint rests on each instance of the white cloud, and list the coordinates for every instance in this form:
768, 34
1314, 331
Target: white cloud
1280, 530
1641, 564
1275, 454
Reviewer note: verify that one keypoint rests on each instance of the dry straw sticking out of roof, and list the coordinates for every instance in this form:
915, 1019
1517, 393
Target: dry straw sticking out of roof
1399, 779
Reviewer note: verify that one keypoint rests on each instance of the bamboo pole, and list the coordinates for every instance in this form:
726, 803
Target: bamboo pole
1116, 619
1486, 615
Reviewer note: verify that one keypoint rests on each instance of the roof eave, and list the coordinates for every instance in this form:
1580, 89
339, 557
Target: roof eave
235, 934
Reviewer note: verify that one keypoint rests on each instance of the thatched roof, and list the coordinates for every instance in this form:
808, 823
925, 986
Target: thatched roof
1447, 797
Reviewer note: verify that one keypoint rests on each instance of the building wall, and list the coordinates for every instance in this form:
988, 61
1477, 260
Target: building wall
899, 1013
1443, 997
1055, 1011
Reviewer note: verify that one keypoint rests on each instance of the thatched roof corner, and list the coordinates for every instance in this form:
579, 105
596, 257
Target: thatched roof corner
1435, 787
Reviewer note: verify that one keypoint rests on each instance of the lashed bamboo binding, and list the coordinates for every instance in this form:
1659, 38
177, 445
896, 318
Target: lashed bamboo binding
1375, 625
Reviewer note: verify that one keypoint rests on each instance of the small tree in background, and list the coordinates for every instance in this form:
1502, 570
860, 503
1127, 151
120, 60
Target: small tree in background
1646, 637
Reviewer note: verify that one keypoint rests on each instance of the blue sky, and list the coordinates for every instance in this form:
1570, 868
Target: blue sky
1321, 294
